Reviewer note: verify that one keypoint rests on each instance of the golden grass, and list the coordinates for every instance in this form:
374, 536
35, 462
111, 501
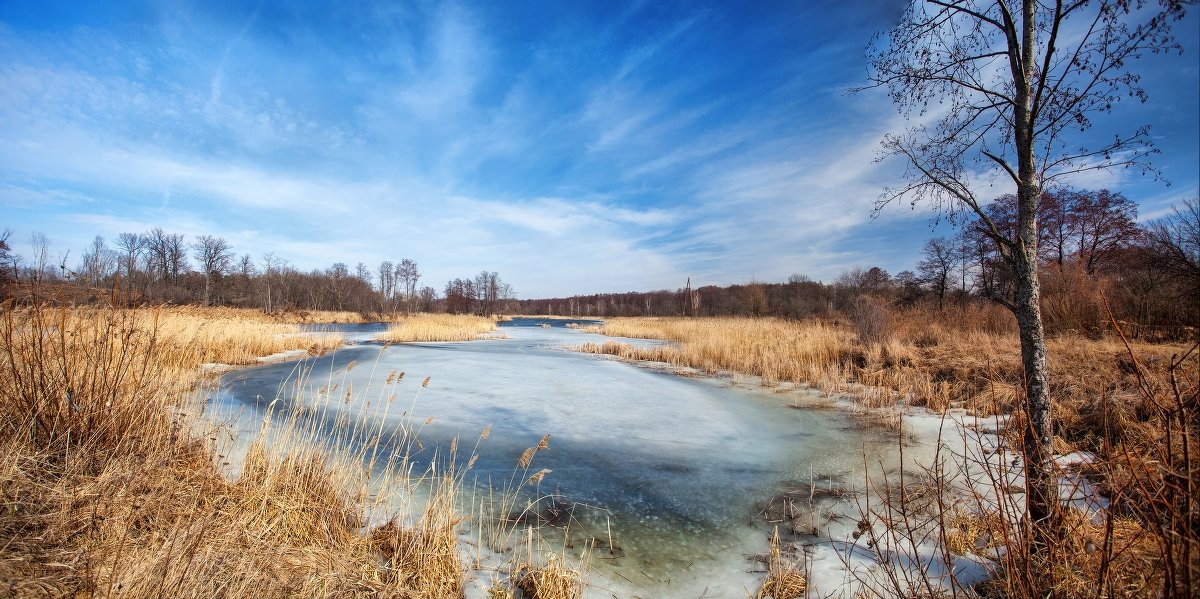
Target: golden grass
191, 336
440, 327
1126, 404
554, 580
106, 490
1131, 564
925, 362
784, 580
774, 349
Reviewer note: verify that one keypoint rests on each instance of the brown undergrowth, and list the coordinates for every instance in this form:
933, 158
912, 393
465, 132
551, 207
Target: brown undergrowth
936, 360
106, 490
1133, 406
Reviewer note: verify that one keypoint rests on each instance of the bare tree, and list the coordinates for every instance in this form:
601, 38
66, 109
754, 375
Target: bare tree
407, 276
215, 256
428, 296
97, 262
1055, 222
1102, 221
271, 264
1005, 87
487, 291
1175, 243
167, 253
130, 246
461, 296
41, 268
937, 262
156, 253
387, 284
8, 263
337, 283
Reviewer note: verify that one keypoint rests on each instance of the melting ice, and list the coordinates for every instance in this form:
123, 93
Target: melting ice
675, 470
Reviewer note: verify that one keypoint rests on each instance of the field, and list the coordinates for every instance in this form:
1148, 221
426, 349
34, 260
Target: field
112, 487
1131, 407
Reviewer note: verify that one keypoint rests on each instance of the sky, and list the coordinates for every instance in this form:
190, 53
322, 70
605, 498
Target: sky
573, 147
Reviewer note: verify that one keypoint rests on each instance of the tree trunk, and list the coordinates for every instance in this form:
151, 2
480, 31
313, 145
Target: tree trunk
1041, 492
1040, 486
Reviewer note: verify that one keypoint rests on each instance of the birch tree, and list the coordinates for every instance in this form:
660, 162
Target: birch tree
1011, 88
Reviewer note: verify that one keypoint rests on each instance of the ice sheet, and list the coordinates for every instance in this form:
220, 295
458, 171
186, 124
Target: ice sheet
675, 470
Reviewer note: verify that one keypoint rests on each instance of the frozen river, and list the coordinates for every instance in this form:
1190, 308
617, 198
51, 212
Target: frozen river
675, 469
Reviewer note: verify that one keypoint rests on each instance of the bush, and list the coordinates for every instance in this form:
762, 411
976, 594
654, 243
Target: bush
872, 320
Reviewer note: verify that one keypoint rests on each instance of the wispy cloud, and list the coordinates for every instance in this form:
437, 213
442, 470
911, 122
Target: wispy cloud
573, 149
218, 78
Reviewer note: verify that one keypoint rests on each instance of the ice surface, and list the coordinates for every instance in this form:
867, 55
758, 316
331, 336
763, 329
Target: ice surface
677, 468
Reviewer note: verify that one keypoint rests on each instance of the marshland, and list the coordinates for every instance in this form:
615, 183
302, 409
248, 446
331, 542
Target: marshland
219, 452
799, 300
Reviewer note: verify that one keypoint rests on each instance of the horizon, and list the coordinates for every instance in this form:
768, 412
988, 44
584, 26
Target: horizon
580, 150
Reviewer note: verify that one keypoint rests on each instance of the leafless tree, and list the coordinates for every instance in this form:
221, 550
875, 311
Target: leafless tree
756, 298
337, 279
461, 296
130, 246
387, 284
167, 253
215, 256
407, 276
271, 264
1101, 221
40, 267
428, 296
937, 262
97, 262
1006, 86
8, 263
487, 290
1175, 243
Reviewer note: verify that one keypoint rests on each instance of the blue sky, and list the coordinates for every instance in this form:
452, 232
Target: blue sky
572, 147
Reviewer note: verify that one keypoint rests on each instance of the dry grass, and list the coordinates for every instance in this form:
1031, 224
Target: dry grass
1134, 406
929, 360
784, 579
282, 316
440, 327
425, 555
774, 349
106, 490
554, 580
190, 336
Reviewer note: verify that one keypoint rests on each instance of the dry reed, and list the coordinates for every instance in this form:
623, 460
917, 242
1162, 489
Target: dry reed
554, 580
784, 580
440, 327
107, 490
929, 360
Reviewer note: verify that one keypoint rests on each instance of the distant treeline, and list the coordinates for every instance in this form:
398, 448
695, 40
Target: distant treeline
1092, 251
157, 267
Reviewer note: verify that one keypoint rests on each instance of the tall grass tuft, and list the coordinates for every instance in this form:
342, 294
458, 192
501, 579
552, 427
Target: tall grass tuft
553, 580
784, 580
